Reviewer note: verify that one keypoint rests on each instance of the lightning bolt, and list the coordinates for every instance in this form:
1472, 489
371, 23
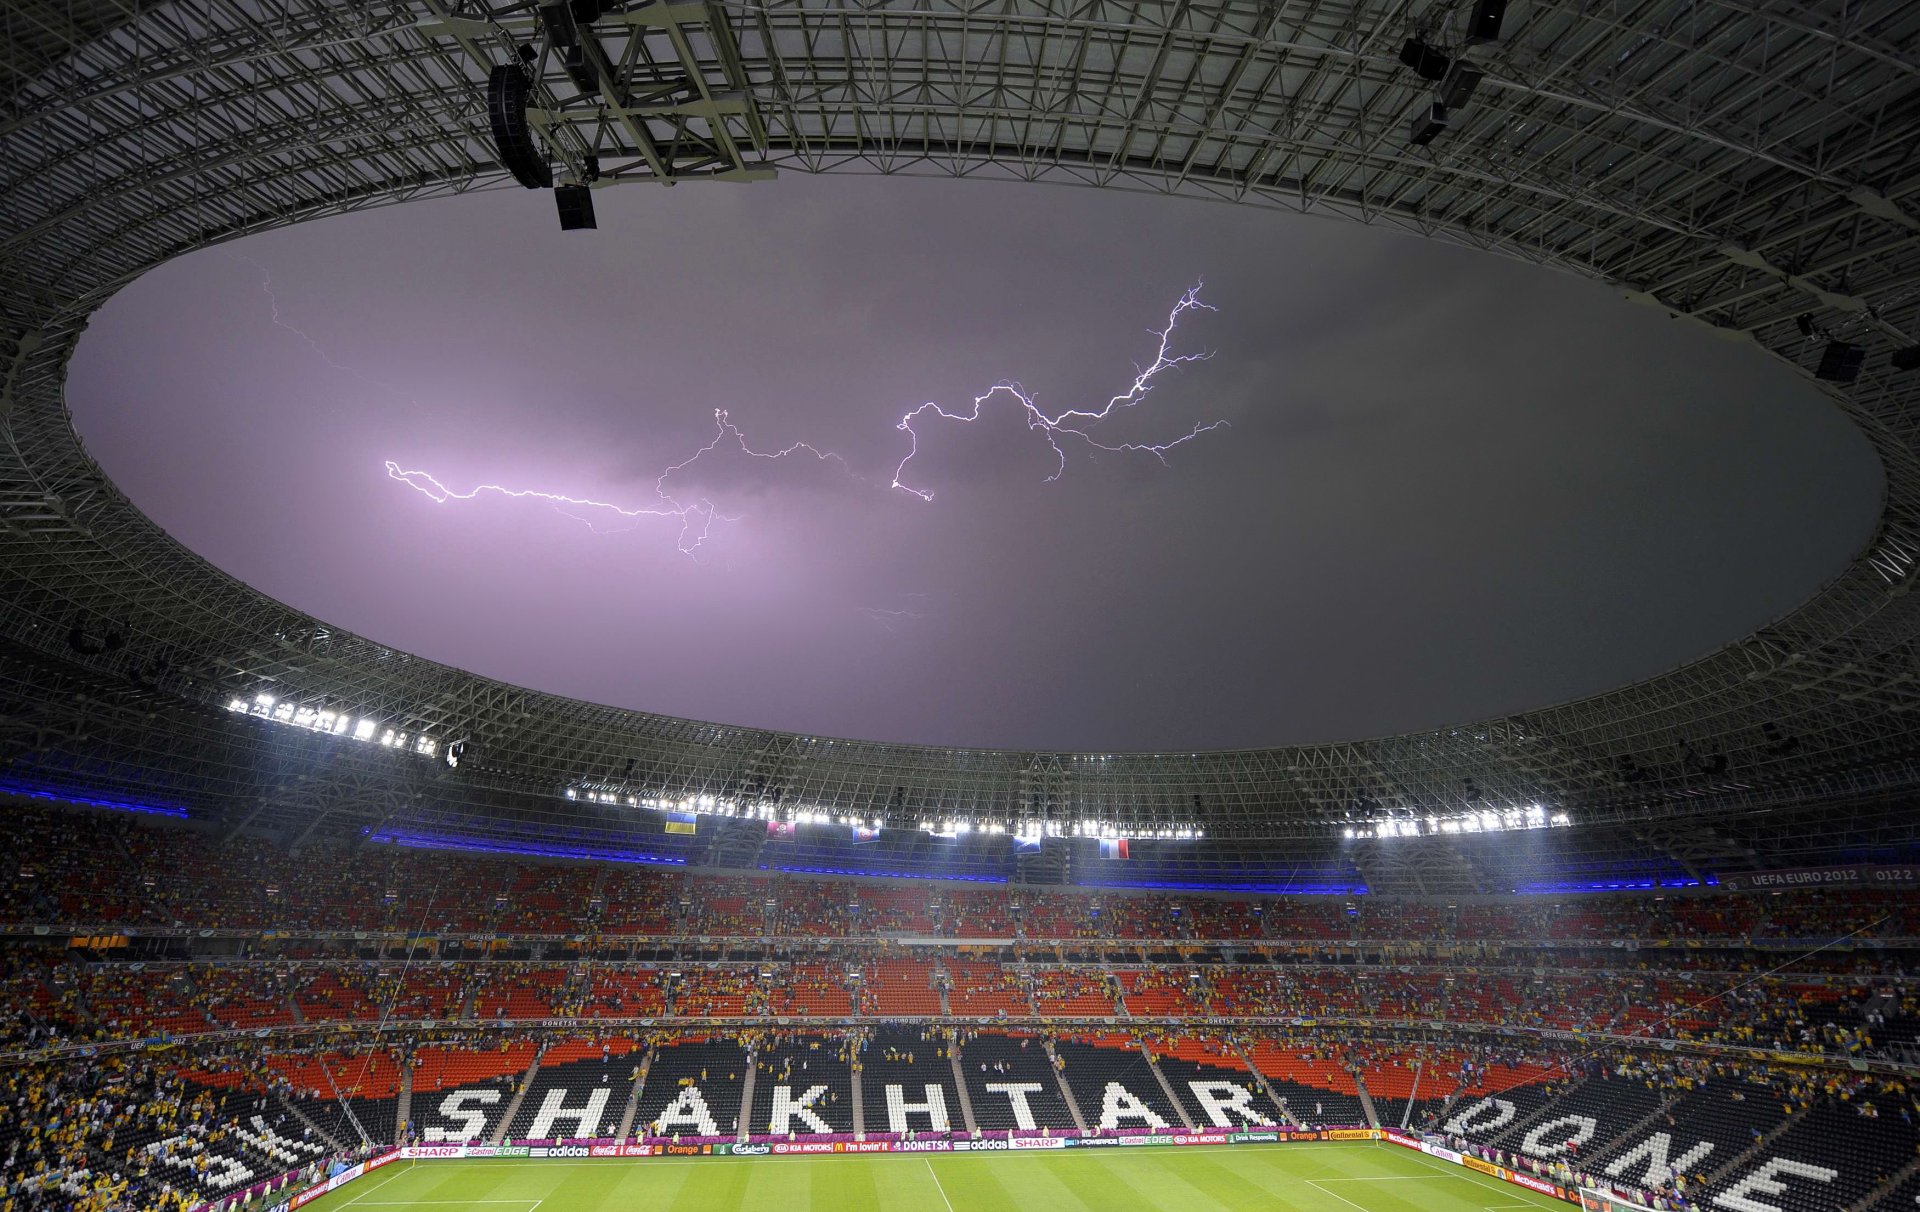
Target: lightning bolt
1076, 422
890, 619
281, 322
697, 515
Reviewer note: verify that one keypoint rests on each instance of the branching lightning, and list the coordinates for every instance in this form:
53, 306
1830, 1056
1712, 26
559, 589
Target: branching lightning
697, 514
1076, 422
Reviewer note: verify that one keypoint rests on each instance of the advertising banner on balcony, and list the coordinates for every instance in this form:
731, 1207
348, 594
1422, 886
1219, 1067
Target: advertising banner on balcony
1856, 875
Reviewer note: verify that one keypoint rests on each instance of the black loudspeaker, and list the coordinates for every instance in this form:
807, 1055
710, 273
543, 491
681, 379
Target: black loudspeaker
576, 207
512, 137
1483, 20
1428, 123
1459, 85
1426, 62
1840, 362
561, 28
1906, 359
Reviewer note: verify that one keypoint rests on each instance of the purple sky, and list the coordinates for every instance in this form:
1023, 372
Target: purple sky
1453, 485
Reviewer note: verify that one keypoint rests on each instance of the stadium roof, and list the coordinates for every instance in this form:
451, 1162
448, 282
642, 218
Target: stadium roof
1744, 166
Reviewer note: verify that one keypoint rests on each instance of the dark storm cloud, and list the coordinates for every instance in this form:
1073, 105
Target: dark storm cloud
1452, 486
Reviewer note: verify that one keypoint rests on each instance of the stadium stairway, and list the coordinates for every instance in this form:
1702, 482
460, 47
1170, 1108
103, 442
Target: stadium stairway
1623, 1141
1719, 1116
519, 1096
1116, 1087
1266, 1087
1735, 1164
1179, 1107
960, 1081
746, 1094
1366, 1100
1510, 1138
1472, 1111
573, 1096
989, 1060
1066, 1091
859, 1103
632, 1108
1405, 1105
1865, 1152
908, 1062
403, 1103
695, 1084
1902, 1190
1588, 1110
293, 1109
1214, 1085
802, 1079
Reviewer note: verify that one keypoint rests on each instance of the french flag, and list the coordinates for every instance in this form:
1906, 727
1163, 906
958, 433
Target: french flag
1113, 847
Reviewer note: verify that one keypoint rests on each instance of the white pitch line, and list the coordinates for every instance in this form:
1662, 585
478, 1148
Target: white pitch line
936, 1184
375, 1187
1483, 1181
1314, 1183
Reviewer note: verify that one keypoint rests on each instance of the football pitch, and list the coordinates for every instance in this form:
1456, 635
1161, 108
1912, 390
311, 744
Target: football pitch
1316, 1177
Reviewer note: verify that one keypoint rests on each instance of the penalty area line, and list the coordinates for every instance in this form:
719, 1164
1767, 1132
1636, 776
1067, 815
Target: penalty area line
1315, 1184
936, 1184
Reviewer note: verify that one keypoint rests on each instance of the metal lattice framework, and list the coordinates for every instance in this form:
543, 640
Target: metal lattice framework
1737, 163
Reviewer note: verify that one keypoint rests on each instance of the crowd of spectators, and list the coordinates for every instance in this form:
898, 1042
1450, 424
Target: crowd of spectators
162, 874
252, 981
57, 998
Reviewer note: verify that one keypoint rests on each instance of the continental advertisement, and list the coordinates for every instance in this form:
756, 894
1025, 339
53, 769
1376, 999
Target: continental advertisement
1530, 1181
340, 1179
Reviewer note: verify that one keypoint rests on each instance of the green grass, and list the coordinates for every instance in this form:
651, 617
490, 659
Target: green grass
1316, 1177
